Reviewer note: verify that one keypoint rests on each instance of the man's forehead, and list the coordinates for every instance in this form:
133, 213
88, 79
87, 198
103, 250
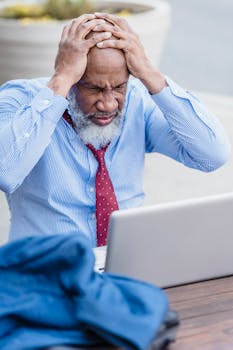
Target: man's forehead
105, 57
101, 83
106, 67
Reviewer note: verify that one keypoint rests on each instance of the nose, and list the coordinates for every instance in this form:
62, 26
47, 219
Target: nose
107, 102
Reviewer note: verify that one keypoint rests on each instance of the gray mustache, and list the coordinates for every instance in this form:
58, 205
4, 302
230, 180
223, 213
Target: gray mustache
103, 114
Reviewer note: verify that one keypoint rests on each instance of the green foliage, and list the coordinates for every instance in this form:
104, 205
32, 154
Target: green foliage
22, 11
66, 9
56, 9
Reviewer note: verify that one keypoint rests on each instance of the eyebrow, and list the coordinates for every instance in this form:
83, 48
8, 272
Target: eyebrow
89, 85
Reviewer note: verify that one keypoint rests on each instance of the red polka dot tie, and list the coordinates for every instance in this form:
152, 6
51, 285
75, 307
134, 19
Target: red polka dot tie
106, 201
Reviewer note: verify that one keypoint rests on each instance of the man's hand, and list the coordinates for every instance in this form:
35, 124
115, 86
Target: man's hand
137, 61
71, 60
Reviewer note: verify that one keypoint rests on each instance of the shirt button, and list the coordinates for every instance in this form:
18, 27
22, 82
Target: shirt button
26, 135
46, 102
93, 215
91, 189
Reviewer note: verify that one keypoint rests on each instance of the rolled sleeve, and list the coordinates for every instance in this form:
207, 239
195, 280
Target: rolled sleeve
50, 105
201, 138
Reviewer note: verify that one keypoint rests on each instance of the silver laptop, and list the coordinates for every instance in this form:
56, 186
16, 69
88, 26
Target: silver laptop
174, 243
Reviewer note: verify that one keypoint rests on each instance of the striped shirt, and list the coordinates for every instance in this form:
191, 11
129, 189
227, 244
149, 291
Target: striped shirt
48, 174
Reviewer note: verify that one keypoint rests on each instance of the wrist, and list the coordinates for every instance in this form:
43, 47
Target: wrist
60, 84
153, 80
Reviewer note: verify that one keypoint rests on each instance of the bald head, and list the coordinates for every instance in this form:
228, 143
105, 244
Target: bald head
105, 61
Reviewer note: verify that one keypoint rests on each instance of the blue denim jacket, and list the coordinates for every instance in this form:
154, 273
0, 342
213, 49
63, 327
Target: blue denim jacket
50, 295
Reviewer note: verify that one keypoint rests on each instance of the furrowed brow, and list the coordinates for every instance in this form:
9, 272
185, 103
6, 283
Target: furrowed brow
93, 86
88, 85
120, 85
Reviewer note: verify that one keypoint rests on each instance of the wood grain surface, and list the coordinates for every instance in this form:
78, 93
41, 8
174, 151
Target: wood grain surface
206, 313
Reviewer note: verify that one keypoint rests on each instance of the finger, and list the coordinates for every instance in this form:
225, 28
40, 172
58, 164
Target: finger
95, 39
105, 27
85, 28
109, 28
76, 23
111, 43
65, 33
115, 20
83, 18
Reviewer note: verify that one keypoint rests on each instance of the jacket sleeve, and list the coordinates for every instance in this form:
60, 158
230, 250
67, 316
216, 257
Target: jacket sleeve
27, 121
181, 127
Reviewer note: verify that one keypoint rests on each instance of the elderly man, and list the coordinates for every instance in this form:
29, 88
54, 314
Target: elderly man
72, 147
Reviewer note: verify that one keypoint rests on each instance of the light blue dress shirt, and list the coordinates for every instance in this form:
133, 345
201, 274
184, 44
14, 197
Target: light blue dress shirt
48, 174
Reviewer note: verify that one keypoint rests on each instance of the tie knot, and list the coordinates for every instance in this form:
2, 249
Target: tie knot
98, 153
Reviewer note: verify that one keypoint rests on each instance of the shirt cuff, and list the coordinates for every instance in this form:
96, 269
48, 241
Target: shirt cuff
52, 106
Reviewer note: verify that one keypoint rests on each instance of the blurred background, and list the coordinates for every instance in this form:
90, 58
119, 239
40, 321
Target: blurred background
199, 47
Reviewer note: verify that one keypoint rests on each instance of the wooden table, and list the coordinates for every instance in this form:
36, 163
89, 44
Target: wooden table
206, 313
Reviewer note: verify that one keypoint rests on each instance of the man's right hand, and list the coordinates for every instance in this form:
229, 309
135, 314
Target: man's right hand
71, 60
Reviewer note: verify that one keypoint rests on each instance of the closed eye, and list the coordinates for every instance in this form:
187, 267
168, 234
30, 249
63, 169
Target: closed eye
95, 88
121, 86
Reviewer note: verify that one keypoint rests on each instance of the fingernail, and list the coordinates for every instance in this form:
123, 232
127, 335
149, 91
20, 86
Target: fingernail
101, 44
107, 34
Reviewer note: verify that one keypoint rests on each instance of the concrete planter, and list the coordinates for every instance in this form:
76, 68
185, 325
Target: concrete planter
29, 50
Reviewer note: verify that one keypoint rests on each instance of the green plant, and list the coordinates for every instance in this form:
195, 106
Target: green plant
57, 9
22, 11
66, 9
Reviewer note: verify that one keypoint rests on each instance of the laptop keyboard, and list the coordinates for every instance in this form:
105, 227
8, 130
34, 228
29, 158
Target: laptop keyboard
100, 257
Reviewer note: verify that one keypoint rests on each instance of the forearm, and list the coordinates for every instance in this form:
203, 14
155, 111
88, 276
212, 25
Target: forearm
25, 136
153, 79
194, 137
60, 84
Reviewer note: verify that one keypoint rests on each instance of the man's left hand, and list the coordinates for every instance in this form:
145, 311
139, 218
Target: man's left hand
126, 40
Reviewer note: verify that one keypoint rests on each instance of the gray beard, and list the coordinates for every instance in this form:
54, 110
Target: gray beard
90, 133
